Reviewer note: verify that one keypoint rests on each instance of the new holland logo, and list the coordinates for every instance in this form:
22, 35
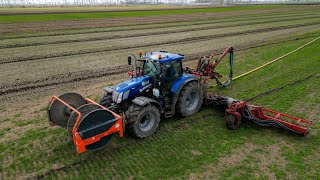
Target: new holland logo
145, 87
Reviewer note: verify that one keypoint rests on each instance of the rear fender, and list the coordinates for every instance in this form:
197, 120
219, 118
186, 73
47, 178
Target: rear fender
178, 87
144, 101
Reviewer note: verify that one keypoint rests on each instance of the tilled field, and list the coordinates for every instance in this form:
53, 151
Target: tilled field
51, 60
117, 33
36, 65
9, 28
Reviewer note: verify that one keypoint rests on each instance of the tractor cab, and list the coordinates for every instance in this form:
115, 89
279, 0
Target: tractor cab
163, 67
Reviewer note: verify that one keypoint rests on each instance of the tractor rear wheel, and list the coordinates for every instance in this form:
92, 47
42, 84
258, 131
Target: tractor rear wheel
142, 121
190, 99
106, 100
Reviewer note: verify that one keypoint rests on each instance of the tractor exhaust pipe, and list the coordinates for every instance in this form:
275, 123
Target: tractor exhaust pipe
134, 64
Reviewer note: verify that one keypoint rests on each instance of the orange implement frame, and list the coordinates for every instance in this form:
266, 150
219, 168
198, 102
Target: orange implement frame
82, 143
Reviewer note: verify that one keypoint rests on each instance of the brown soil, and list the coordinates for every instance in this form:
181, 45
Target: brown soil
94, 23
64, 50
128, 33
213, 20
27, 85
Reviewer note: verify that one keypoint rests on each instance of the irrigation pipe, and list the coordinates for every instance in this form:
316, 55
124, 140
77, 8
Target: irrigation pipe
277, 59
255, 69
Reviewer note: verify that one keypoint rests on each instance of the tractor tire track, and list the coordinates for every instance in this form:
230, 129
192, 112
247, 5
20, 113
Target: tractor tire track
62, 79
173, 42
151, 33
171, 24
69, 78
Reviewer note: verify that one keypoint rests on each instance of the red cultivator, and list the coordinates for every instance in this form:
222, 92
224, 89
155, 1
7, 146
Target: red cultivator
237, 110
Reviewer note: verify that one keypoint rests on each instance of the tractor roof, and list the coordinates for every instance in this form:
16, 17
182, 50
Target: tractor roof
163, 56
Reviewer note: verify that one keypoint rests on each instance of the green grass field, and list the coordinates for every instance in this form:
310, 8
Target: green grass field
198, 146
79, 16
41, 59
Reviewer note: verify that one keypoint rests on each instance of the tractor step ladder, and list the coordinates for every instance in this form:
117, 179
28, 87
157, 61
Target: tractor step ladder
167, 109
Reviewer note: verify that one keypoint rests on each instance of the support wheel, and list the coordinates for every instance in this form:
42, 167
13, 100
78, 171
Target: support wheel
142, 121
106, 100
232, 122
190, 99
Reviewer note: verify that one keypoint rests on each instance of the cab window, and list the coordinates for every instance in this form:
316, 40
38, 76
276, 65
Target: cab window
171, 71
151, 68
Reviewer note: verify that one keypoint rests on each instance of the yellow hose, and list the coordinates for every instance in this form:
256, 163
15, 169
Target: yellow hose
255, 69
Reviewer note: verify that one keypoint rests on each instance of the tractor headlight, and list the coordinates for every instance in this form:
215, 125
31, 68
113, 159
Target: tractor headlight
125, 95
115, 95
119, 99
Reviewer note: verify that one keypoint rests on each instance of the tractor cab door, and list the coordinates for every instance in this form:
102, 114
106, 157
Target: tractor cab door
153, 69
171, 71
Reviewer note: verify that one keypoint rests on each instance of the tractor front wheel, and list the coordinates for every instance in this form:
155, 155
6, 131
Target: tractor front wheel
142, 121
190, 99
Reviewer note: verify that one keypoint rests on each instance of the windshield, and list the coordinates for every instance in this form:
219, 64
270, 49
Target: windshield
151, 68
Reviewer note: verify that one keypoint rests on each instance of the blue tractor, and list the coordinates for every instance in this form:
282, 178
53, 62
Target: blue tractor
159, 87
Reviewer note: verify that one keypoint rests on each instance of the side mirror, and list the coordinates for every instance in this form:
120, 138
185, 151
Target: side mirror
129, 60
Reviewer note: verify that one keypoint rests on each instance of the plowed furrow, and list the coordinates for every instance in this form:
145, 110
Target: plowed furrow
85, 75
62, 79
175, 24
181, 41
150, 33
110, 22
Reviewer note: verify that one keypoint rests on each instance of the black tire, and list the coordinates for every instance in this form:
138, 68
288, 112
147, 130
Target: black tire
106, 100
231, 122
142, 121
192, 91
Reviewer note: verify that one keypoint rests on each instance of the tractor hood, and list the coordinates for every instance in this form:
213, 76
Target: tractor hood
131, 88
133, 83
